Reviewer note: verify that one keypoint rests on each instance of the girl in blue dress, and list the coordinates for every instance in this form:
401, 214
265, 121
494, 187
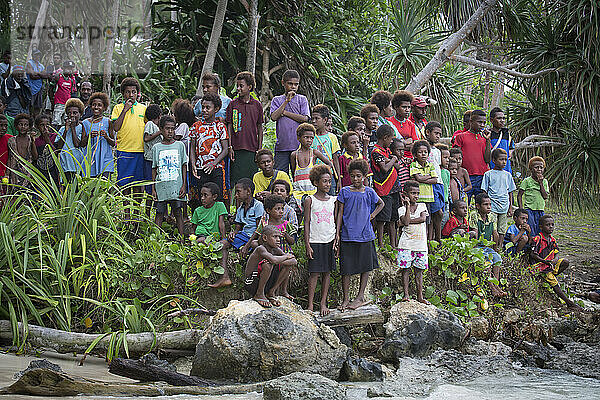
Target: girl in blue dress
71, 140
99, 151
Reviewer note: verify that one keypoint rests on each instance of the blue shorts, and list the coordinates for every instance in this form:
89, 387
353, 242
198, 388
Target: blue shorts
438, 198
148, 175
534, 220
240, 239
130, 167
476, 181
491, 255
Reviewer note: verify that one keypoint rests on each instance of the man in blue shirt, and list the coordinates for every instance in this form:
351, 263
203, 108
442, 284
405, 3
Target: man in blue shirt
35, 74
500, 138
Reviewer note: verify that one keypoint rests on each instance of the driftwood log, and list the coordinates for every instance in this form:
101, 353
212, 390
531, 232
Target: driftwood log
44, 382
73, 342
143, 372
370, 314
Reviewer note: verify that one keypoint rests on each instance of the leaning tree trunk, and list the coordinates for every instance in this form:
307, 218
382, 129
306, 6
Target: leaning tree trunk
252, 36
40, 20
110, 47
213, 42
448, 47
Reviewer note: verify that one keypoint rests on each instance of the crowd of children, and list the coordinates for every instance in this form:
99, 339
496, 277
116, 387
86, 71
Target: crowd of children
391, 175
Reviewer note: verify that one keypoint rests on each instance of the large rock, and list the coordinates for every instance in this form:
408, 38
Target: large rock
246, 342
361, 370
416, 330
577, 358
302, 386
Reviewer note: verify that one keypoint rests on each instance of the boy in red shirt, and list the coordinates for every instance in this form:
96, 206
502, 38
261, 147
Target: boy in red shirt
477, 150
457, 223
401, 121
544, 258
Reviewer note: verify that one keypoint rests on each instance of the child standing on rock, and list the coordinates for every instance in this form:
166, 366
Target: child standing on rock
319, 234
355, 239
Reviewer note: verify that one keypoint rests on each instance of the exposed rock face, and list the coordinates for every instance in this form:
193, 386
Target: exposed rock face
302, 386
361, 370
416, 330
480, 328
246, 342
577, 358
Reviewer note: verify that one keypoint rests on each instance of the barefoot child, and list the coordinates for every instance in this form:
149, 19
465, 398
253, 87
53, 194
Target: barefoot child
519, 233
169, 174
544, 257
266, 175
100, 152
319, 235
282, 188
327, 143
274, 206
303, 160
535, 189
267, 267
21, 148
355, 238
412, 246
485, 227
209, 220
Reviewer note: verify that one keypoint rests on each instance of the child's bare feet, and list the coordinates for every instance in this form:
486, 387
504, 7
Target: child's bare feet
422, 300
406, 298
263, 301
274, 301
324, 310
496, 292
344, 305
222, 282
357, 303
288, 296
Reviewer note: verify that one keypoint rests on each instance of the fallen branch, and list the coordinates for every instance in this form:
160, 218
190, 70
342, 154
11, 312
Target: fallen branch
370, 314
140, 371
532, 141
191, 311
44, 382
73, 342
495, 67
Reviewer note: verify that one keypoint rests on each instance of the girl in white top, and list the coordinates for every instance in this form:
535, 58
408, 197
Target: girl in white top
412, 246
319, 234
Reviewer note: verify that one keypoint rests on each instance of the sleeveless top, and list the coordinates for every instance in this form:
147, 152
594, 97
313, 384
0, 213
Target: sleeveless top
322, 220
302, 184
461, 193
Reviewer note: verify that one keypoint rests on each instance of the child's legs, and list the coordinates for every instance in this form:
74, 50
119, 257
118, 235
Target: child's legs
404, 261
325, 279
533, 220
312, 285
562, 265
383, 217
224, 258
266, 268
346, 289
283, 272
161, 209
176, 207
436, 222
419, 282
476, 183
380, 229
364, 279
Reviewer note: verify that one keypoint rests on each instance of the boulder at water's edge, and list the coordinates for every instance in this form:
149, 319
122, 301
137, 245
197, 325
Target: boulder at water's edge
246, 343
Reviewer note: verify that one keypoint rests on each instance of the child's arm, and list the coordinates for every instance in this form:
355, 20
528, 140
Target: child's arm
34, 152
496, 238
380, 205
244, 249
154, 171
454, 193
386, 165
149, 137
338, 227
542, 188
293, 162
336, 166
318, 155
118, 123
537, 259
259, 129
467, 185
520, 198
307, 207
236, 229
84, 136
428, 179
230, 133
487, 153
109, 135
223, 154
510, 204
365, 146
182, 190
193, 170
222, 231
420, 219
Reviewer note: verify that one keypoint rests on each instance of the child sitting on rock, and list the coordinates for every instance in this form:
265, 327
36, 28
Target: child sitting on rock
544, 258
267, 268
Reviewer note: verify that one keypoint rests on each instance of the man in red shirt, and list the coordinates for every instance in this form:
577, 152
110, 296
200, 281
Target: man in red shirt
477, 150
405, 127
419, 109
